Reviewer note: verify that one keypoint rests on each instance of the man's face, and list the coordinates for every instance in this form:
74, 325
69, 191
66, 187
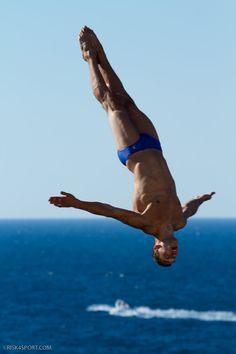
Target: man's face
168, 250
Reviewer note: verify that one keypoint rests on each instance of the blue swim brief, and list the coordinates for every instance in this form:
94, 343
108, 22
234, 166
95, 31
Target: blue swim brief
144, 142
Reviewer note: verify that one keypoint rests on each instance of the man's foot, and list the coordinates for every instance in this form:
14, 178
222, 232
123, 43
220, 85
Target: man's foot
101, 56
86, 45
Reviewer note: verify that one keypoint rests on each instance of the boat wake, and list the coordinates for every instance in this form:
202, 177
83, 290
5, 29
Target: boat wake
123, 309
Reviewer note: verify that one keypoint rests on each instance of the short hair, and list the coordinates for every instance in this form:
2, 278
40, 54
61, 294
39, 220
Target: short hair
156, 258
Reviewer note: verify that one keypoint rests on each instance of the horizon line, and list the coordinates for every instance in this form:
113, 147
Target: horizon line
103, 218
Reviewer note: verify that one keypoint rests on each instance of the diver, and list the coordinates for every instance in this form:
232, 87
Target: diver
156, 208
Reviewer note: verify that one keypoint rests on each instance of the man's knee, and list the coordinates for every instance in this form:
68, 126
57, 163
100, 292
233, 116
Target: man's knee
99, 93
108, 99
115, 101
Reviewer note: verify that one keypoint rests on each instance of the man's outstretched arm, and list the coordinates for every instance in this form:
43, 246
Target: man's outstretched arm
67, 200
190, 208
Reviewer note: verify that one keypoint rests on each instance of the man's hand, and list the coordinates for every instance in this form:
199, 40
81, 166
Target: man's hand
190, 208
67, 201
204, 197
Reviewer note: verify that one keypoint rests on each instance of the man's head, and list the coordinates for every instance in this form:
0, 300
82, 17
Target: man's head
165, 250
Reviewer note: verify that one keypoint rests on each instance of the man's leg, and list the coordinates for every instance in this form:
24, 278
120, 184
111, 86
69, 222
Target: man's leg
125, 133
139, 119
111, 79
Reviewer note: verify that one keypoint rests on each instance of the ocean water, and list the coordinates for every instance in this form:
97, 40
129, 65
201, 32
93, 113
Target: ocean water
91, 286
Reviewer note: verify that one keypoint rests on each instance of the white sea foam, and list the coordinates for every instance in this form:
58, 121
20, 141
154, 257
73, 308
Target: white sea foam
123, 309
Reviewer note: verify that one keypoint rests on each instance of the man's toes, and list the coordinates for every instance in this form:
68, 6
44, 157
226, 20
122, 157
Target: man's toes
81, 34
82, 39
82, 31
89, 30
86, 29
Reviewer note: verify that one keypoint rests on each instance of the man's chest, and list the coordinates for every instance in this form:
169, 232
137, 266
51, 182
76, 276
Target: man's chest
164, 211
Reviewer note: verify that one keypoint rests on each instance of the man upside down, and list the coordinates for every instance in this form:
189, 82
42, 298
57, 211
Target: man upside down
156, 208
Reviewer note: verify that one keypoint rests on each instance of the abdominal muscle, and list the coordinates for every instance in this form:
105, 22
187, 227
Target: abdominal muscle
152, 179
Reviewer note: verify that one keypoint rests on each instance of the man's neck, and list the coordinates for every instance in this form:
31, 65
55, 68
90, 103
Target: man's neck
165, 232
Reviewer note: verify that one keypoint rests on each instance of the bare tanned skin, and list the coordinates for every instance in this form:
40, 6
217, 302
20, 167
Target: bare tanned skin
156, 207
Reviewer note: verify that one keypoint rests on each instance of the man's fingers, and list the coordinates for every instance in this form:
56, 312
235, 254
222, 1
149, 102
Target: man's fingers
58, 205
55, 200
66, 194
66, 200
204, 197
62, 193
208, 196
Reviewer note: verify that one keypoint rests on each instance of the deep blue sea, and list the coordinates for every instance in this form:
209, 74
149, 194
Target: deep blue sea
91, 286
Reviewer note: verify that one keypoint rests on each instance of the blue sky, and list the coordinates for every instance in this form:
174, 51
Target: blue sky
175, 58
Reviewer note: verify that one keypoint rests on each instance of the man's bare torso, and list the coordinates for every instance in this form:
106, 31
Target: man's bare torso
154, 190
